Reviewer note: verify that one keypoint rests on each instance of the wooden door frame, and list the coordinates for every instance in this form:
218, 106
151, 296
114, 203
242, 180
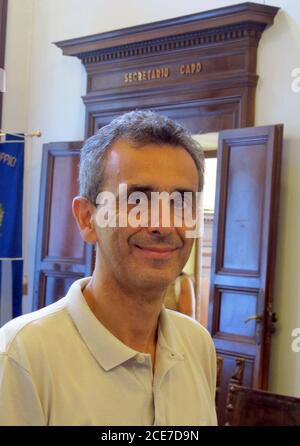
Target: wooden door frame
245, 274
46, 265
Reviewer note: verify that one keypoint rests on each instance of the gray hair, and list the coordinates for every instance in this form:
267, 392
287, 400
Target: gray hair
140, 128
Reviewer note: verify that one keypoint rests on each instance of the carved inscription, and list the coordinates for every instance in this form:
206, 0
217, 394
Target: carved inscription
162, 73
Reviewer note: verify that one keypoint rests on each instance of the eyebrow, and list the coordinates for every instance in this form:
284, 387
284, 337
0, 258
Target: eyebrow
148, 188
138, 188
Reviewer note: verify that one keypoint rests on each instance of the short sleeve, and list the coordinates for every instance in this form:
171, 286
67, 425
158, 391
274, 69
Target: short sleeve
19, 402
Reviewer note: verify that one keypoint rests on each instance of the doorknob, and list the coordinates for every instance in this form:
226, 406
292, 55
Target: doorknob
256, 317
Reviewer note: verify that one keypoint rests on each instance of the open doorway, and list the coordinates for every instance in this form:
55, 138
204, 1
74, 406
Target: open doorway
199, 263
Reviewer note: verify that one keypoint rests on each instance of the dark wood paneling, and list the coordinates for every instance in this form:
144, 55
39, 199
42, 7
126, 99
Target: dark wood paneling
61, 255
64, 239
54, 285
244, 250
246, 177
198, 117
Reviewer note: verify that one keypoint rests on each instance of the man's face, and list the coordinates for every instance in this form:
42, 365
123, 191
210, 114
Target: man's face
146, 257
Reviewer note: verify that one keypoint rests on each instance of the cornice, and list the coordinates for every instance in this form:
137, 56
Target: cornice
246, 20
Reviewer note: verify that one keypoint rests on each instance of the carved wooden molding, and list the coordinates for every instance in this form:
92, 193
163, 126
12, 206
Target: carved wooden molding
238, 375
222, 24
199, 69
150, 47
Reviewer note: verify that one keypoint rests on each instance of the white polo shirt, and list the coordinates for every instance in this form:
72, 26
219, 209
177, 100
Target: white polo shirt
61, 366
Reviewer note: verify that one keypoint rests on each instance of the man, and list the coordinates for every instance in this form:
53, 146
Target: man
110, 353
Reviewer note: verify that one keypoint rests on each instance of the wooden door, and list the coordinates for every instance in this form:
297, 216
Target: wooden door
244, 248
61, 255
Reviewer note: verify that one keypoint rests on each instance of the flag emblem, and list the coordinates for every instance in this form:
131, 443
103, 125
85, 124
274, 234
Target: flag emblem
11, 205
1, 214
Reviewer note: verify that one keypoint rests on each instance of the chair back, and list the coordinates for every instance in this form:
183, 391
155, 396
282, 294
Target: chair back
252, 407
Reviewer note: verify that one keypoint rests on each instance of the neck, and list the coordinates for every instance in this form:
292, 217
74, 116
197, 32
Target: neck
130, 315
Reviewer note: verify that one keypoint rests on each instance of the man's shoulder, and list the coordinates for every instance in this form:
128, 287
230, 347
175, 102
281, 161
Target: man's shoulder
189, 327
30, 325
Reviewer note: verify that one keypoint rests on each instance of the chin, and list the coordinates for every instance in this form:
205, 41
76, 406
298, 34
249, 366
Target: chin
155, 280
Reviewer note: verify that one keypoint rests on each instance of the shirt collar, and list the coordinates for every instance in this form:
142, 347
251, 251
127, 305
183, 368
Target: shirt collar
108, 350
167, 335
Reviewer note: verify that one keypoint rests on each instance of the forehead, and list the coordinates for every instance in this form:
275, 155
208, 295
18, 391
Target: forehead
163, 167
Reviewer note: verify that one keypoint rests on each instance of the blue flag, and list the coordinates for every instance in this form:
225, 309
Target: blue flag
11, 209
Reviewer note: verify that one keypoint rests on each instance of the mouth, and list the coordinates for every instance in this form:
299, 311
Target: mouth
153, 252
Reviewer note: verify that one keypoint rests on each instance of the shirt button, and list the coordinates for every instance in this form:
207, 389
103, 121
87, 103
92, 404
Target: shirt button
140, 359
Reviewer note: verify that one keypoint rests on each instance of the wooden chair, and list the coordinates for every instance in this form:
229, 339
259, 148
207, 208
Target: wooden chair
252, 407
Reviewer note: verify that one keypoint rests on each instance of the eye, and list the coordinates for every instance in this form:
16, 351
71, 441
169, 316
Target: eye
178, 203
137, 198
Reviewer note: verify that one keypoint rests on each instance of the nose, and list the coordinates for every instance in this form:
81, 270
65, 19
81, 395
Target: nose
160, 231
161, 221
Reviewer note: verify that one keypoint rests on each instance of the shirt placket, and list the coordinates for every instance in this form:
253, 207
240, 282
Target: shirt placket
167, 360
144, 374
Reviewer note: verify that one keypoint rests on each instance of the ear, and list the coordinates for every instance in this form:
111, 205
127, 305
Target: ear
83, 211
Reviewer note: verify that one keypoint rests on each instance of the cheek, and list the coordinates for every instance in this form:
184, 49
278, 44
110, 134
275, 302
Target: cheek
106, 240
119, 240
115, 236
182, 234
187, 247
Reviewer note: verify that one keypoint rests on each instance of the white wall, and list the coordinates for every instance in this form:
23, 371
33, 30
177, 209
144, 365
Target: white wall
44, 90
279, 54
15, 112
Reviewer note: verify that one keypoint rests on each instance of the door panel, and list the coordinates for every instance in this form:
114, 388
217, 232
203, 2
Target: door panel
234, 308
64, 238
244, 249
56, 285
243, 223
61, 256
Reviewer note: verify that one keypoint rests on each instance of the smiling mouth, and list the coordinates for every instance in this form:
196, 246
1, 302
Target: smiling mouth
156, 252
